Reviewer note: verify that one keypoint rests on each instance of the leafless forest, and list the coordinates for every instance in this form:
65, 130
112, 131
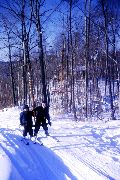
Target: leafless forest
78, 72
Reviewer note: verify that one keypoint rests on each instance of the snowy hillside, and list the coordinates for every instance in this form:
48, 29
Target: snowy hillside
75, 151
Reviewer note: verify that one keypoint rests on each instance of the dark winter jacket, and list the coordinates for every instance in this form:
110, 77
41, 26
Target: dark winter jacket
42, 114
26, 118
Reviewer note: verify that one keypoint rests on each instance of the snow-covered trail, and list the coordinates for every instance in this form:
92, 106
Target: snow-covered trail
33, 161
27, 162
74, 151
94, 149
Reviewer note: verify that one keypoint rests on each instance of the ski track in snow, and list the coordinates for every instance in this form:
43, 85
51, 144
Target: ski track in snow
76, 151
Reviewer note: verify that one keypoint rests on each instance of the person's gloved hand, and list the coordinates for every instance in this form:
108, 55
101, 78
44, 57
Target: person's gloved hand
21, 124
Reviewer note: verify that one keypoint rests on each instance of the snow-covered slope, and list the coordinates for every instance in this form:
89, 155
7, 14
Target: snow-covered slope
75, 150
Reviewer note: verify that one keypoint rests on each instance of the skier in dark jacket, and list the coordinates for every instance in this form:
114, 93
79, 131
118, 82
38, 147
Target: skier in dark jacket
41, 114
26, 121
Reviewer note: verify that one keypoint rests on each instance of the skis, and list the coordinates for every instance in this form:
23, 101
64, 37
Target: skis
35, 141
38, 140
25, 141
54, 138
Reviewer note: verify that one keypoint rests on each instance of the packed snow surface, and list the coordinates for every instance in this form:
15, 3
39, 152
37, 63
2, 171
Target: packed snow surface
74, 150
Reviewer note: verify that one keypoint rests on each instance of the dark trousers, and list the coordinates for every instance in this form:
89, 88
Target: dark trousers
27, 130
37, 126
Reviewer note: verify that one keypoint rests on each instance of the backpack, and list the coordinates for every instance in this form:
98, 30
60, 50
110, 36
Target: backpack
22, 119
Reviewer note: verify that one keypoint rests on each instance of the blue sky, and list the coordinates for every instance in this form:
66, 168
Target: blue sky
52, 25
53, 18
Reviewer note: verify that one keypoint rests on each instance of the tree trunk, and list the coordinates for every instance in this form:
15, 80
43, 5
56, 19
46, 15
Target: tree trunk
87, 36
24, 53
107, 59
11, 74
72, 64
36, 13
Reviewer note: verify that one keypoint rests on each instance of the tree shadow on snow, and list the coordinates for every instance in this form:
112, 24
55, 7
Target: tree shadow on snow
32, 162
105, 142
95, 138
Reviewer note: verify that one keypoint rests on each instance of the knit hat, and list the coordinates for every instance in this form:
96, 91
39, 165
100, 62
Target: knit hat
26, 107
